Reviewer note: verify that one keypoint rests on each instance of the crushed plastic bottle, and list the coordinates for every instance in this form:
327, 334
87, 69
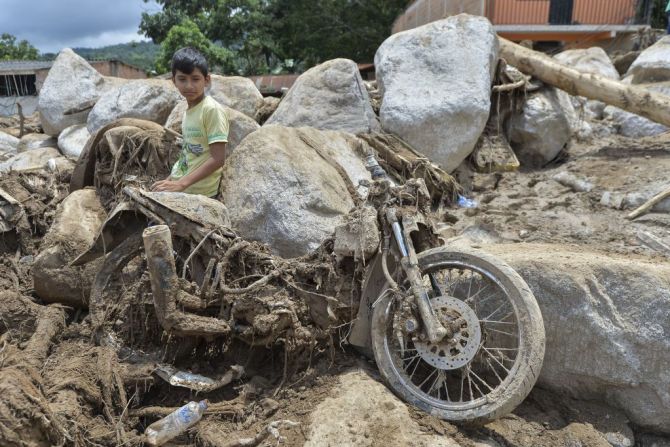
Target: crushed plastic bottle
373, 167
175, 423
464, 202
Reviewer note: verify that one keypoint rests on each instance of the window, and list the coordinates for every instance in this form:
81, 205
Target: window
17, 85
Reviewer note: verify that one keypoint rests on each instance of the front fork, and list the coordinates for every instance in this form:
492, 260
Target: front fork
410, 265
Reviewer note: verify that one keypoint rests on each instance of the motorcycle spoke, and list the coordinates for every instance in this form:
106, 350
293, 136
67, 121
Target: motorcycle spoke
496, 360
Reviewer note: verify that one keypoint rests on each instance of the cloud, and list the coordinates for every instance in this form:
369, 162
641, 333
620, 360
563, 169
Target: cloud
51, 25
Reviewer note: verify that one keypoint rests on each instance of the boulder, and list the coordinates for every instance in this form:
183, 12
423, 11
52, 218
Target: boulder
35, 141
78, 220
282, 186
362, 412
240, 124
607, 320
653, 64
147, 99
635, 126
8, 143
72, 140
330, 96
589, 60
435, 82
30, 161
70, 83
237, 93
542, 129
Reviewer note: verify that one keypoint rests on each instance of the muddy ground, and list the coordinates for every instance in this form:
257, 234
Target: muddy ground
59, 388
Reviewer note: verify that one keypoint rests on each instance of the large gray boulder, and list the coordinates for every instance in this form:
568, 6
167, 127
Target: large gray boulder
607, 320
147, 99
653, 64
635, 126
589, 60
240, 125
72, 140
237, 93
71, 82
282, 187
435, 82
543, 128
8, 143
330, 96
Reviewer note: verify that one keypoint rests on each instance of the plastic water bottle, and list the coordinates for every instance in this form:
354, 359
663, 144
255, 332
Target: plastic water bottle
464, 202
373, 167
175, 423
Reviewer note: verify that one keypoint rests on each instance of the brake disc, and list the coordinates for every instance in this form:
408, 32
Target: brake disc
460, 349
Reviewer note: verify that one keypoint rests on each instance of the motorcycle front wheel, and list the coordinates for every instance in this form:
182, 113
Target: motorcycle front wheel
494, 353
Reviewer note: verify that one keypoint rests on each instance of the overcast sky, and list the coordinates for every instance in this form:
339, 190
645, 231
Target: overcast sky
54, 24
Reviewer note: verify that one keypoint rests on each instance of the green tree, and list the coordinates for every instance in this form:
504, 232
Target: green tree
271, 35
10, 49
187, 34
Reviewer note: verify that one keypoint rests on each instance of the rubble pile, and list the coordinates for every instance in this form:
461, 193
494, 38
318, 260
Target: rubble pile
93, 348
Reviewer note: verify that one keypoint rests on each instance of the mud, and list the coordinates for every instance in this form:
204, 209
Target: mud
65, 381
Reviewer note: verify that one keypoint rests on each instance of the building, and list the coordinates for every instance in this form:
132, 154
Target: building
21, 81
580, 22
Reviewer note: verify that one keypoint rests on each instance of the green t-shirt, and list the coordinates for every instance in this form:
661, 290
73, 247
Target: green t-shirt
667, 7
201, 126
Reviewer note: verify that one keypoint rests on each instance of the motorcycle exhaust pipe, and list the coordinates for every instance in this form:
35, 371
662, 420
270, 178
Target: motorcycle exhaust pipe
165, 289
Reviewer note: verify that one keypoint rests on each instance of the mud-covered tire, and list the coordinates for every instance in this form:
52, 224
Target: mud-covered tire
513, 390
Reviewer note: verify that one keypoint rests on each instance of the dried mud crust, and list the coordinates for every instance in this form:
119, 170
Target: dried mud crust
529, 206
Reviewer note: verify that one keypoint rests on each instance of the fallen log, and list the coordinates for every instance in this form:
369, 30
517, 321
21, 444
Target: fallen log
638, 100
649, 204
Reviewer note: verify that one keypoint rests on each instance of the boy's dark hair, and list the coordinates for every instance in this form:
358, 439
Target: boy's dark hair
188, 59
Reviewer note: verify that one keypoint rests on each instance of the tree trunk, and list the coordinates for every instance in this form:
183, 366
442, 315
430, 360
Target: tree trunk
638, 100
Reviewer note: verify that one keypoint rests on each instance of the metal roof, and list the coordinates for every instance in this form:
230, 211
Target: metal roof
12, 66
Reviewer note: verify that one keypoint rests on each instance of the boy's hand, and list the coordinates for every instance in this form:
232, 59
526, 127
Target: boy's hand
168, 185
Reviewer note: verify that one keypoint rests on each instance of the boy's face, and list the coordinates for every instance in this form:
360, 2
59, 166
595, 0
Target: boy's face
191, 86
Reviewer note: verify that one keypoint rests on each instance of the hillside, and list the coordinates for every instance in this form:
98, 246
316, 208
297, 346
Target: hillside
140, 54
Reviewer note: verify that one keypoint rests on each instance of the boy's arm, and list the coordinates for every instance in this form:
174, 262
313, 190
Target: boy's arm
217, 152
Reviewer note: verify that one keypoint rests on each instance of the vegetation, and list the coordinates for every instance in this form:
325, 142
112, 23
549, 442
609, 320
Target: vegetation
10, 49
139, 54
187, 33
280, 35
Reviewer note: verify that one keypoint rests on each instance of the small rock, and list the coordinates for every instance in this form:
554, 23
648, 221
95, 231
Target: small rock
72, 140
35, 141
570, 180
612, 200
270, 406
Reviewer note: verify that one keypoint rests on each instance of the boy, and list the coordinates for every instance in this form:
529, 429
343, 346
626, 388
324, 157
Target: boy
204, 130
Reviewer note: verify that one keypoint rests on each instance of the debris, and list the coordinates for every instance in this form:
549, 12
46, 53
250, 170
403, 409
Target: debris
165, 288
649, 204
613, 200
271, 429
653, 242
464, 202
570, 180
628, 97
175, 423
196, 382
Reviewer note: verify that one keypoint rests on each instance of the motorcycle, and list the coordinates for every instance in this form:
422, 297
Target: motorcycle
454, 332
